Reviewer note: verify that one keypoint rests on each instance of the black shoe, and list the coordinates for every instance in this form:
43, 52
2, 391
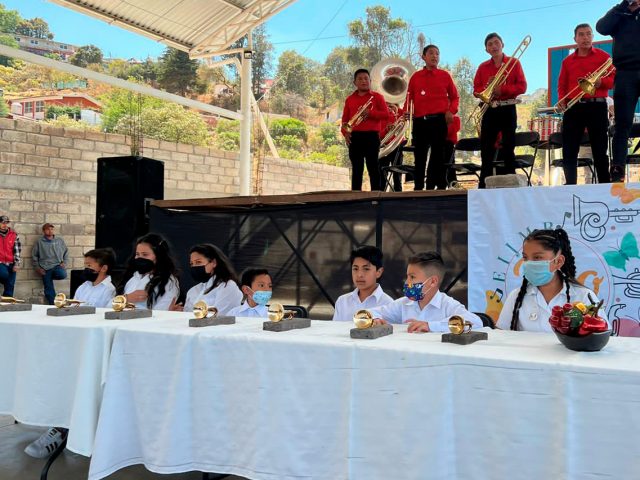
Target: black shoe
617, 173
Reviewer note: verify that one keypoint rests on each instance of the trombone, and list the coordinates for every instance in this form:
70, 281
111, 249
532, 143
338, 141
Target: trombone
487, 95
586, 86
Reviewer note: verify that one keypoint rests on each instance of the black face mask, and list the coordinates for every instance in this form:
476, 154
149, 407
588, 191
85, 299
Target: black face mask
143, 265
90, 275
199, 274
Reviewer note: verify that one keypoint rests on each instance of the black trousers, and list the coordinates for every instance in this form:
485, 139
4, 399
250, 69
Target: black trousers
429, 134
625, 97
388, 161
593, 116
364, 147
452, 175
498, 120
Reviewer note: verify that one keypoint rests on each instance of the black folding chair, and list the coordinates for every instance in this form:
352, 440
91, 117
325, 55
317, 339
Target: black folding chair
465, 168
487, 321
555, 140
397, 168
525, 161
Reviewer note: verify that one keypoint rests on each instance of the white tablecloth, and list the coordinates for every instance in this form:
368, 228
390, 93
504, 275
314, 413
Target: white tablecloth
314, 404
52, 369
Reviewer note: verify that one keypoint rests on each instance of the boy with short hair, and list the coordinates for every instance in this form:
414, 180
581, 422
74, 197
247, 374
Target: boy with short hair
424, 307
366, 269
257, 289
97, 290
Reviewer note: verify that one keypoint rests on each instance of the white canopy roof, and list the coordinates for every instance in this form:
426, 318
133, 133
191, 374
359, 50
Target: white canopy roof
200, 27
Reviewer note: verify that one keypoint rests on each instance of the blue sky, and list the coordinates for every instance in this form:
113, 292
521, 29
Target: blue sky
458, 27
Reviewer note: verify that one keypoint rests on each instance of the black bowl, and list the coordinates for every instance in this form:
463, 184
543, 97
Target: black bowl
588, 343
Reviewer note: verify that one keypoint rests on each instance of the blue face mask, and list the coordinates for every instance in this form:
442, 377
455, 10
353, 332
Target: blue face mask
262, 297
537, 272
413, 292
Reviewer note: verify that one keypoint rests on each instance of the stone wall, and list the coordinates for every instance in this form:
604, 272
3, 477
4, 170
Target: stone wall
48, 174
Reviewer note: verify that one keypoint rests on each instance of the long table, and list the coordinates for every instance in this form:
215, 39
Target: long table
53, 369
315, 404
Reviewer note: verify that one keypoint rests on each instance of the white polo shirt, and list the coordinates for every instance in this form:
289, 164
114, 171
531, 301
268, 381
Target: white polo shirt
246, 310
349, 303
99, 295
535, 311
437, 312
139, 282
224, 297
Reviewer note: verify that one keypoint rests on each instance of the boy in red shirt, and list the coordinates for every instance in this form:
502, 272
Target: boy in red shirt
363, 139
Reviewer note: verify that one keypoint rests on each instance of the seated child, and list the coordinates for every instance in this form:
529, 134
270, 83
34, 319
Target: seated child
425, 308
257, 288
366, 269
549, 270
97, 290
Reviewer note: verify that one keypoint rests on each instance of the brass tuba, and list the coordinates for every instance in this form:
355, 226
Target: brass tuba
486, 96
390, 77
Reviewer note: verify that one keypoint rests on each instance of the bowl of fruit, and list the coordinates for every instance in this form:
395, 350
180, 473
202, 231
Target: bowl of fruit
579, 328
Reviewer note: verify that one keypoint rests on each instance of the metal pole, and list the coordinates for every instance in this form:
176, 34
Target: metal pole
245, 123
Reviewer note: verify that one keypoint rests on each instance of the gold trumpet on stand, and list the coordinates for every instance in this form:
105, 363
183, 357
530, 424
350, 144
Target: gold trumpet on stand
201, 310
120, 304
61, 301
277, 313
10, 300
363, 319
486, 97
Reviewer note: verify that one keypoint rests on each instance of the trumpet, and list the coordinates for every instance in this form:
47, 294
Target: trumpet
61, 301
120, 304
359, 116
363, 319
586, 86
277, 313
458, 325
486, 97
201, 310
10, 300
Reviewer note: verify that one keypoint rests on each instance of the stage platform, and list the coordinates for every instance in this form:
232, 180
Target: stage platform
304, 240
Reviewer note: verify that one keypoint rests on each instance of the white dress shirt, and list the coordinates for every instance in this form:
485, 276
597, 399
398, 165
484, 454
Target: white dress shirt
246, 310
535, 311
139, 282
99, 295
349, 303
224, 297
437, 312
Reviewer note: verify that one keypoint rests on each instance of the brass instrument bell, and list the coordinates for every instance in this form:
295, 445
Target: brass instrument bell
61, 301
10, 300
458, 325
277, 313
120, 304
201, 310
363, 319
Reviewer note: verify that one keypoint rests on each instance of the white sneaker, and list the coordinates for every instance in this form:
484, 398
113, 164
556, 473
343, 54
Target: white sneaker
46, 444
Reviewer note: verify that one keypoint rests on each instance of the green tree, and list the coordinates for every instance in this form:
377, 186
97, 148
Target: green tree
379, 36
35, 27
287, 103
172, 123
228, 135
262, 61
9, 41
463, 72
9, 20
339, 71
146, 72
55, 111
4, 109
120, 103
177, 73
295, 73
288, 127
87, 55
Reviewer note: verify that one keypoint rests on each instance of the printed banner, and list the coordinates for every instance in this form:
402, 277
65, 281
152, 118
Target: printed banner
603, 224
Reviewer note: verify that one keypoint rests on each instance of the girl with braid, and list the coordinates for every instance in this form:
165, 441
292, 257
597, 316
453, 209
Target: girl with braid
549, 270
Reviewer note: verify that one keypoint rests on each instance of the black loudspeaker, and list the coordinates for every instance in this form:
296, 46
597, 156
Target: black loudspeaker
126, 186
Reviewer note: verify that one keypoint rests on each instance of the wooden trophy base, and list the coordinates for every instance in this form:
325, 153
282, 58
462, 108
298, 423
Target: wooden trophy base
372, 333
67, 311
286, 325
211, 321
128, 314
464, 338
16, 307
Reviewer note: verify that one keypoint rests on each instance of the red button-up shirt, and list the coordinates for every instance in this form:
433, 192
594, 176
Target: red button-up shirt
378, 113
575, 67
516, 83
432, 92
